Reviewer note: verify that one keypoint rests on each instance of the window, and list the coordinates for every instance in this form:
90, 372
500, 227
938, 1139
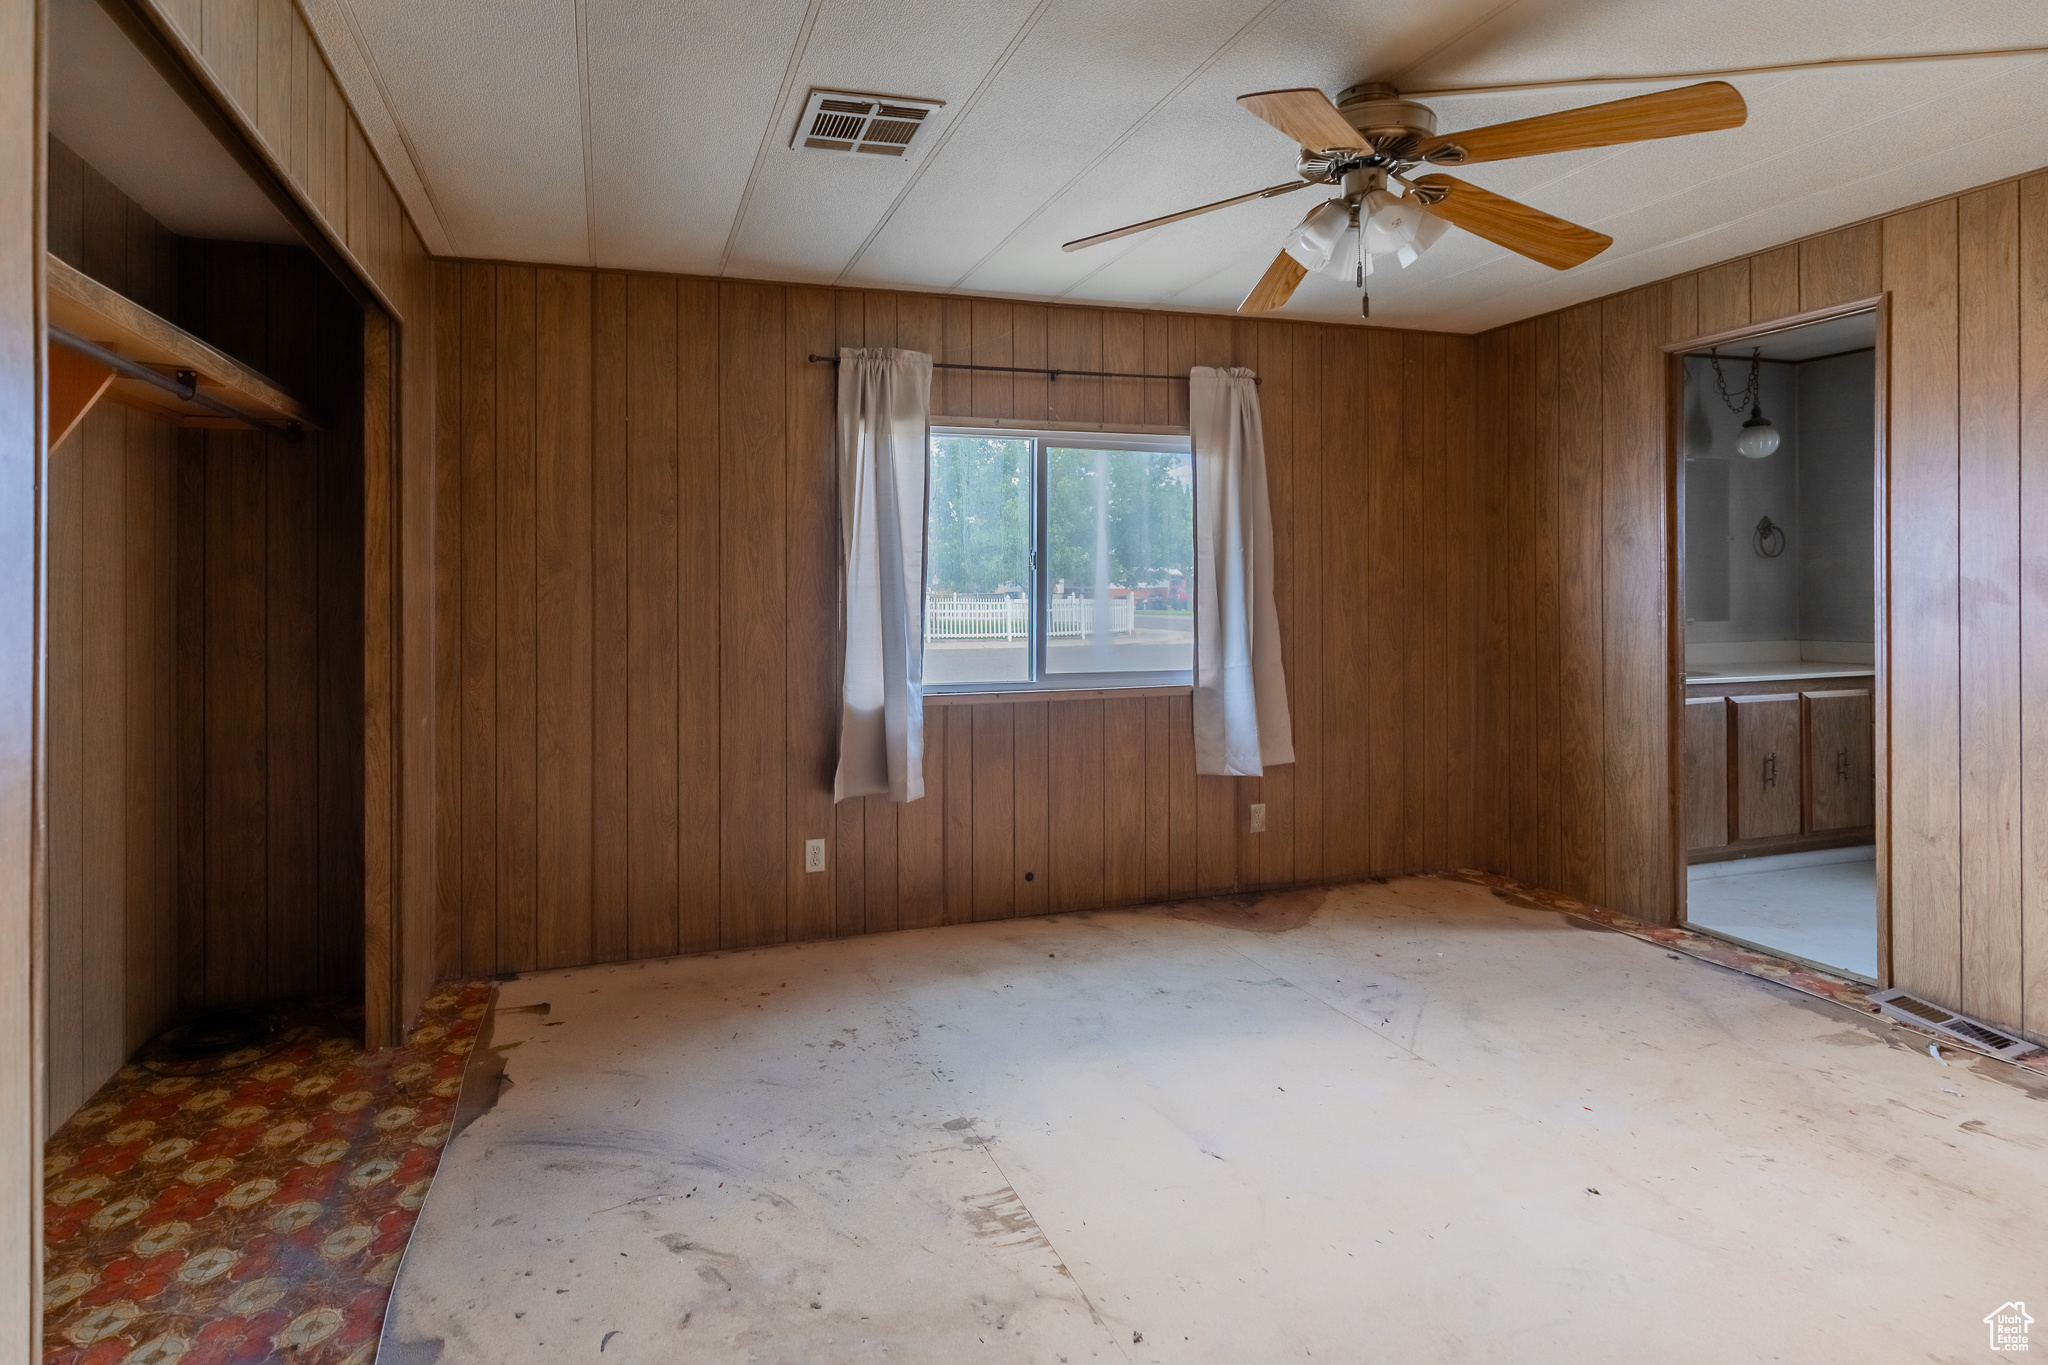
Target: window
1058, 559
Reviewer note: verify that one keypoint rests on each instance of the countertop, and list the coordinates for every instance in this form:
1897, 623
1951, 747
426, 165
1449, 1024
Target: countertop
1776, 672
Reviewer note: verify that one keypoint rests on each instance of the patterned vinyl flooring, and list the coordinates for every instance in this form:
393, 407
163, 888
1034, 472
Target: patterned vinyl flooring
257, 1212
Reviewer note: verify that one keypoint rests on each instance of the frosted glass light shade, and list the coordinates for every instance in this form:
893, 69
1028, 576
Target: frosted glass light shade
1759, 438
1313, 242
1399, 227
1344, 258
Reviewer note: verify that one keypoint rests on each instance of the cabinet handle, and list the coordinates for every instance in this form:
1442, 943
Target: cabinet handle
1771, 771
1842, 765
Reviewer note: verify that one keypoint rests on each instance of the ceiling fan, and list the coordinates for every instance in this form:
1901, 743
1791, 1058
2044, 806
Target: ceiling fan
1370, 136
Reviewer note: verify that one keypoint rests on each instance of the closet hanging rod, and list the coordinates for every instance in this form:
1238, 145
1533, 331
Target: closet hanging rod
185, 391
1033, 369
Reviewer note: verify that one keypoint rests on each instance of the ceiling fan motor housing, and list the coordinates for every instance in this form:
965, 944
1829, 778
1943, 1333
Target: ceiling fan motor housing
1378, 112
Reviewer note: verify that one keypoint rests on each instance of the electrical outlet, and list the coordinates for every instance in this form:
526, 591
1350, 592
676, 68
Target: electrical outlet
814, 855
1259, 817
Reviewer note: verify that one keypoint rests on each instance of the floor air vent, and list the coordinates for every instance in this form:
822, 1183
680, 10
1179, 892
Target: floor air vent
1913, 1010
844, 121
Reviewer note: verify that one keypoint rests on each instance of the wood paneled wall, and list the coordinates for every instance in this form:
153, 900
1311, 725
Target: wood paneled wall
270, 647
258, 67
1578, 508
109, 236
112, 716
638, 624
22, 643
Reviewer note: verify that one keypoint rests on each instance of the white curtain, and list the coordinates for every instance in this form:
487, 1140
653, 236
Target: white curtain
1241, 723
885, 409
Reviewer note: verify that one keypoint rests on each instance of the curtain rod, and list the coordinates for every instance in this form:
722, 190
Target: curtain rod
1029, 369
187, 391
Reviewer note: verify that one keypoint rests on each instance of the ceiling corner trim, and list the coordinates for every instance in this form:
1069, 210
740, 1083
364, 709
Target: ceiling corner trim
333, 27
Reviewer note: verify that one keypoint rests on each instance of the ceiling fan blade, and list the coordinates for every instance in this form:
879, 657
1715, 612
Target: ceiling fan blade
1267, 193
1307, 116
1701, 108
1504, 222
1275, 287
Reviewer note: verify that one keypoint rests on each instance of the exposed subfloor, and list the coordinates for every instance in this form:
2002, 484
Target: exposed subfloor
1403, 1123
1817, 906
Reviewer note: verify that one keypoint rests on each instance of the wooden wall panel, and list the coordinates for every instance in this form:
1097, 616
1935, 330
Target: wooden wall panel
105, 234
652, 615
23, 569
710, 610
1988, 535
1920, 273
1724, 297
112, 758
2033, 599
564, 612
1582, 784
1635, 517
1967, 279
1841, 267
753, 599
272, 717
1774, 285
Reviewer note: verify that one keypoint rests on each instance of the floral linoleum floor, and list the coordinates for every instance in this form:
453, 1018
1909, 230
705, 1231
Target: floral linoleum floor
256, 1213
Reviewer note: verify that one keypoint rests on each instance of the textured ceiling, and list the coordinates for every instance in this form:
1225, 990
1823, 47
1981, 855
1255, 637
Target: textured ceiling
656, 135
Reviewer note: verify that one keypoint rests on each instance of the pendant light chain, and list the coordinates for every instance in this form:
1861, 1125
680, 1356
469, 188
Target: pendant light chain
1752, 394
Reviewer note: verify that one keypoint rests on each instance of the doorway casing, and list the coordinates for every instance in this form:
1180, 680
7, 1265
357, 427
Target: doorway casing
1674, 615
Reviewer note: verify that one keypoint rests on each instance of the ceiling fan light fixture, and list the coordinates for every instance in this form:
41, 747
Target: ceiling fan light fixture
1314, 241
1371, 134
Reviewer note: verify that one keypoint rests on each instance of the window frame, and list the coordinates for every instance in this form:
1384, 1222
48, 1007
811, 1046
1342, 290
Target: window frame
1039, 571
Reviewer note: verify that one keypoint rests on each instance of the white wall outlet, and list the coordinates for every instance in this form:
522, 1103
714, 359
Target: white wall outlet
814, 855
1258, 817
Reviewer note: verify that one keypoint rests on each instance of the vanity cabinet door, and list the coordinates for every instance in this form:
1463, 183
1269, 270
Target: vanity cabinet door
1766, 753
1706, 772
1840, 761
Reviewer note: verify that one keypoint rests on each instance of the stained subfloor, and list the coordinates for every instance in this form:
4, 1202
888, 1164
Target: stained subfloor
254, 1212
1409, 1122
1821, 907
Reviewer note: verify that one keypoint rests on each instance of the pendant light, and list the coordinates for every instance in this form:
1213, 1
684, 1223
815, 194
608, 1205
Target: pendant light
1759, 439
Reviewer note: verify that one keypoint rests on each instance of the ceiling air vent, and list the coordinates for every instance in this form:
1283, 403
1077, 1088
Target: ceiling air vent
844, 121
1913, 1010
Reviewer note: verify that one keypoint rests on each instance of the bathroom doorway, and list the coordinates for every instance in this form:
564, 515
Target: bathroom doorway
1779, 658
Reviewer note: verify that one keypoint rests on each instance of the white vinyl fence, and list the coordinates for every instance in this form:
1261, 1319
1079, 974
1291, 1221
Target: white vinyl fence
1007, 618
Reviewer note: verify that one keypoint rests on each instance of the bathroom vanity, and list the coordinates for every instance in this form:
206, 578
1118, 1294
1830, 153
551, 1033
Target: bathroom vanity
1778, 759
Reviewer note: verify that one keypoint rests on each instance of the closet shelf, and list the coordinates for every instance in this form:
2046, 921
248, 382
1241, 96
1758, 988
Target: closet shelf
87, 309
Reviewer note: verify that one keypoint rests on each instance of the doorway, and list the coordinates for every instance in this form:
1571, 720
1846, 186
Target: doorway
1779, 665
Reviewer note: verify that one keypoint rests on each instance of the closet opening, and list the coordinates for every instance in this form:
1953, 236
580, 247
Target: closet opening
1778, 641
206, 494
